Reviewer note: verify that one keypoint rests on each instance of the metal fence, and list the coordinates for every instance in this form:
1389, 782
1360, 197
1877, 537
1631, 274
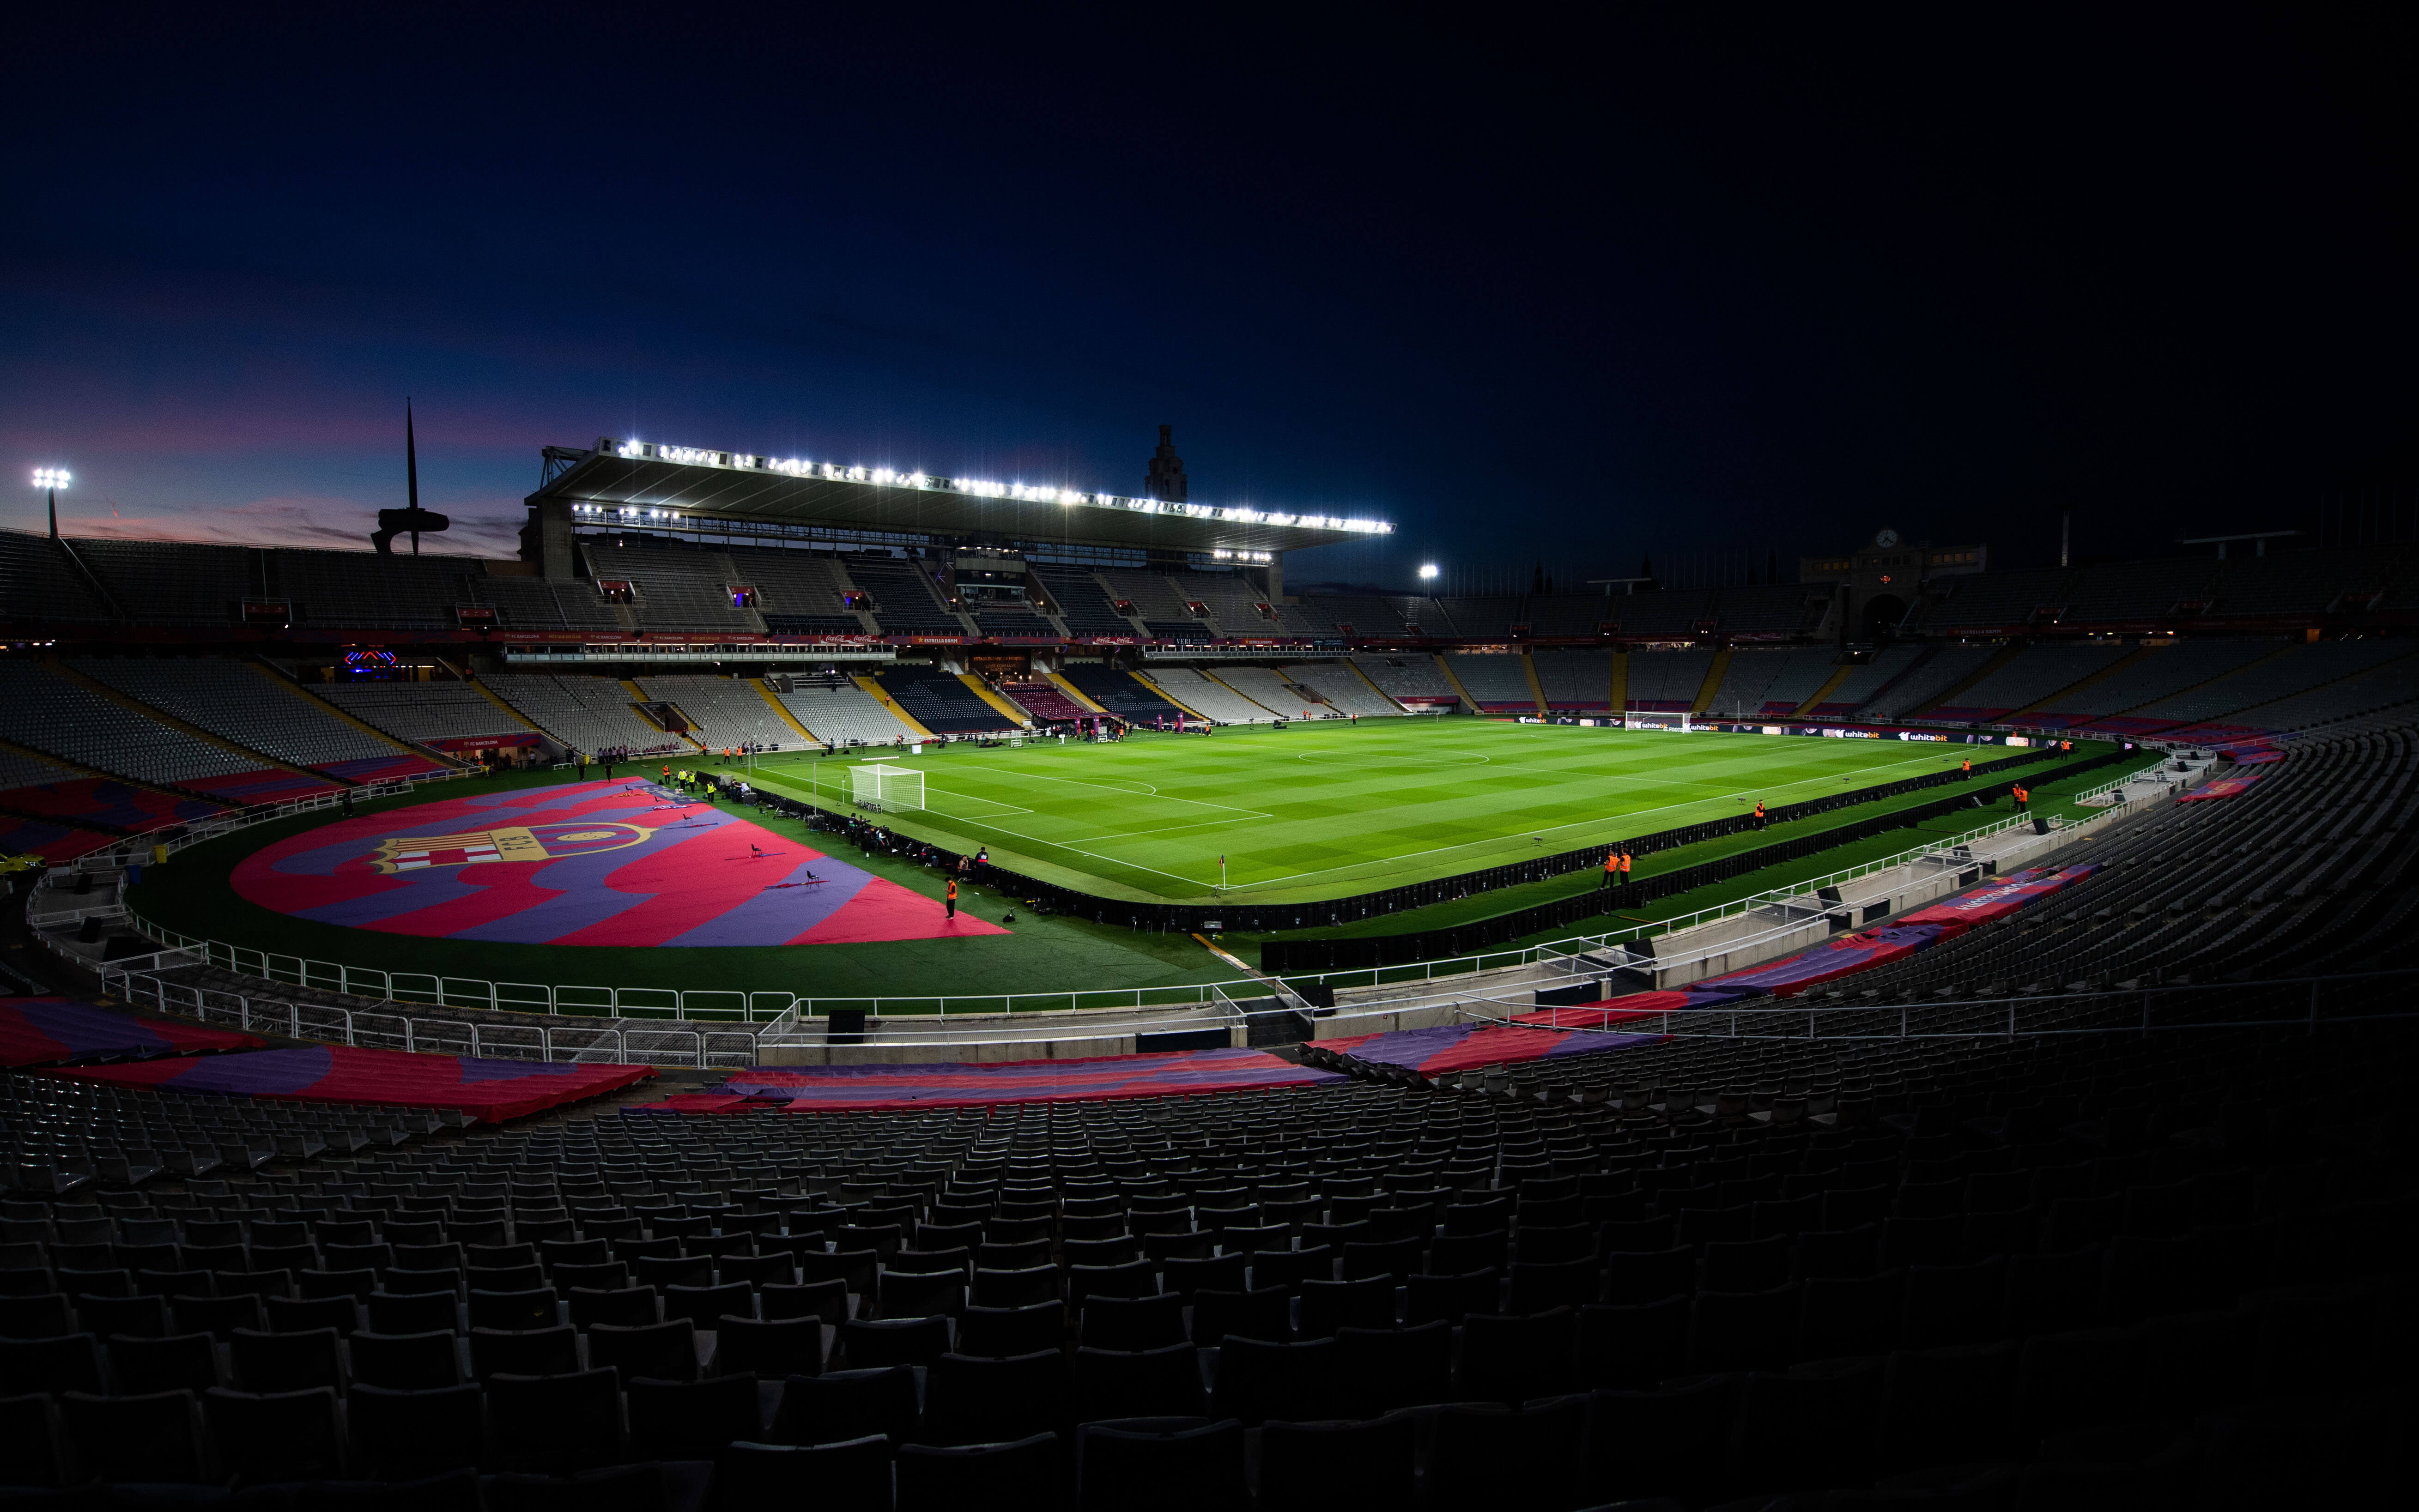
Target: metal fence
135, 850
136, 982
2304, 1003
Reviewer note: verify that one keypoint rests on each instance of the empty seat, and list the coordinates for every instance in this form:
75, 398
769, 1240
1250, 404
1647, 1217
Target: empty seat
975, 1400
1175, 1462
275, 1436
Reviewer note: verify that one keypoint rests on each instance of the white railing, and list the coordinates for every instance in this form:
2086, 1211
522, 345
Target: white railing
133, 981
2114, 1010
2144, 775
135, 850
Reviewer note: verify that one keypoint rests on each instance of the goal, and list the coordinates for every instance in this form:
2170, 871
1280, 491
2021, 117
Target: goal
882, 788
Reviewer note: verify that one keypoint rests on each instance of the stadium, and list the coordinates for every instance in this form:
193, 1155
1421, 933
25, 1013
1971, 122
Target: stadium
938, 988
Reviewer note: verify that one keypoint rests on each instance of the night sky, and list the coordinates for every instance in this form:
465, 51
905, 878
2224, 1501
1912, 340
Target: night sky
1704, 284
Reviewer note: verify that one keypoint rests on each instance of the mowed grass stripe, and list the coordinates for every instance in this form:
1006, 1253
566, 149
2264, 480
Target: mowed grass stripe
1329, 810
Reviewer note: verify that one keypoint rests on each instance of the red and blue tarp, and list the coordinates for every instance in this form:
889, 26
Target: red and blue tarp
1844, 956
99, 800
55, 1031
268, 785
490, 1090
1527, 1036
379, 768
1955, 916
626, 862
2224, 787
978, 1084
51, 842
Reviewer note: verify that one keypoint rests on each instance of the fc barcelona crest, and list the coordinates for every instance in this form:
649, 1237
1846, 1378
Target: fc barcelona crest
512, 842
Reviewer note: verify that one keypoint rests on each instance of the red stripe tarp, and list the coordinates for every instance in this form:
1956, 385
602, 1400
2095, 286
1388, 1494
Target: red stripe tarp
976, 1084
491, 1090
51, 1031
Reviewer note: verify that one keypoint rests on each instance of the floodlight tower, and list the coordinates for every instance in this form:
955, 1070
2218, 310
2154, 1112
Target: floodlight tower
51, 480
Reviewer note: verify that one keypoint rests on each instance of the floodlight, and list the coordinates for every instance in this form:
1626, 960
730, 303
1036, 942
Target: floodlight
1428, 569
50, 477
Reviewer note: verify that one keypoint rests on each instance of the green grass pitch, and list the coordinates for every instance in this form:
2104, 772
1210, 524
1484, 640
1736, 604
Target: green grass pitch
1327, 809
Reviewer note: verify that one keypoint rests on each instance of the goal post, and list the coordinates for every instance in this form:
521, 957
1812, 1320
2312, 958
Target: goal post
884, 789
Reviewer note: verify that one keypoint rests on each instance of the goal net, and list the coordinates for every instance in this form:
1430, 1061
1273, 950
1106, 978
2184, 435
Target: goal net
884, 789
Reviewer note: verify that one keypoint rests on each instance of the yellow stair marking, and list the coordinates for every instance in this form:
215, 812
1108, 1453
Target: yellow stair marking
1825, 690
892, 704
1536, 689
1171, 697
2082, 682
1620, 682
782, 709
1713, 683
1074, 692
1008, 711
297, 690
1462, 691
162, 717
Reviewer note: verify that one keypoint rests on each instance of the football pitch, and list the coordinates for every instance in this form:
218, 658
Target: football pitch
1328, 810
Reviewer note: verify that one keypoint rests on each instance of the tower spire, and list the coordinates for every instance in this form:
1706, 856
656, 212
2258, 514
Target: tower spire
411, 469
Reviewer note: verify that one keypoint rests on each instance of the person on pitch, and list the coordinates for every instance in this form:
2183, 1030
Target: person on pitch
953, 898
1612, 869
2024, 799
1966, 766
1759, 813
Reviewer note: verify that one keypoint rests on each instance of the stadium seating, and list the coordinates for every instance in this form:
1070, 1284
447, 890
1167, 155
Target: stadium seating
244, 704
1155, 600
535, 604
938, 701
799, 592
176, 582
2033, 674
1675, 613
2137, 592
584, 714
725, 711
39, 583
1998, 600
2303, 672
1567, 614
1575, 680
1935, 671
1771, 609
1045, 701
840, 712
1771, 682
1408, 677
1369, 618
2164, 673
1484, 619
422, 711
1864, 683
1498, 684
1233, 602
52, 713
906, 602
1264, 687
2300, 583
1120, 693
677, 589
1083, 604
1667, 682
1207, 696
1346, 690
358, 588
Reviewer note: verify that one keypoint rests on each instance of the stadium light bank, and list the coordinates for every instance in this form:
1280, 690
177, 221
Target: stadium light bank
984, 489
